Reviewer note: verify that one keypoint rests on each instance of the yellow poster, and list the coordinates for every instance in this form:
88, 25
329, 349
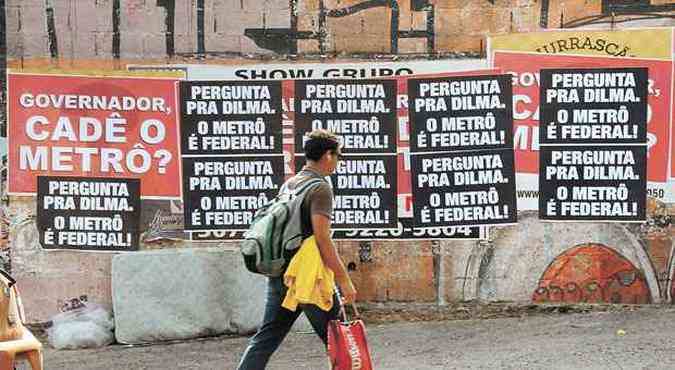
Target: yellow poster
651, 43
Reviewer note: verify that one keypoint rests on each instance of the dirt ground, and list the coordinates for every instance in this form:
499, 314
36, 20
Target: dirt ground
462, 336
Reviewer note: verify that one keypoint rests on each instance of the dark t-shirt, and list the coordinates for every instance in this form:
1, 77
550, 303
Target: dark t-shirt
318, 200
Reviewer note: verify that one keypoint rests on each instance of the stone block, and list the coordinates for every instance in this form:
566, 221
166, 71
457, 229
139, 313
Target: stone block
186, 293
172, 294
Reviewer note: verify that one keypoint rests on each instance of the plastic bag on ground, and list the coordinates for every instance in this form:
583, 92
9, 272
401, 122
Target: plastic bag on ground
90, 326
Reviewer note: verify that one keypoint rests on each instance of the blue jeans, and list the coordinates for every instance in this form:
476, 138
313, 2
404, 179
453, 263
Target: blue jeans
278, 321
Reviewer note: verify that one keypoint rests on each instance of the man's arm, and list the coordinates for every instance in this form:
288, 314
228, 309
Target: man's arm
321, 225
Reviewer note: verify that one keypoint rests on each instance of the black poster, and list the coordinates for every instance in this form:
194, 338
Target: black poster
364, 189
464, 188
232, 151
593, 106
598, 183
88, 213
362, 113
230, 117
223, 193
460, 113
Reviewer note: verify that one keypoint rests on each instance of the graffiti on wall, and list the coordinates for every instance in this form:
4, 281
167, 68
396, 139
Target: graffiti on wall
202, 27
580, 263
592, 273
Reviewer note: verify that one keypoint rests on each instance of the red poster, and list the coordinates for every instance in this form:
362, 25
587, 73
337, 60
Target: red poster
525, 70
118, 127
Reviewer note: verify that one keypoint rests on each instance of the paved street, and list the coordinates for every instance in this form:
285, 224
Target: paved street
643, 338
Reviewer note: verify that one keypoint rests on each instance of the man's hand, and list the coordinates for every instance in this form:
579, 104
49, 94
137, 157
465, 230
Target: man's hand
348, 292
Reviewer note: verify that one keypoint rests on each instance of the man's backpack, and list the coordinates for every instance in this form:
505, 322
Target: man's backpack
276, 227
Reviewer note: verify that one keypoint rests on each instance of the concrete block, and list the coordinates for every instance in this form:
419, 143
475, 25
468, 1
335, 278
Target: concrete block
172, 294
186, 293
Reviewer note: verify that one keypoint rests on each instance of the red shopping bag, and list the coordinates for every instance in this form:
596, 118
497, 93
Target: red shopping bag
347, 345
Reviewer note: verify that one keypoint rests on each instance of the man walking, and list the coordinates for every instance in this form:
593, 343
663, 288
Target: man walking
322, 151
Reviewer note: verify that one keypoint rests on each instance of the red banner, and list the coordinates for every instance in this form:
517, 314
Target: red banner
93, 127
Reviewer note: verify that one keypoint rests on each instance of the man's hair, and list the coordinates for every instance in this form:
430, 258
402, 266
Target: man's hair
319, 142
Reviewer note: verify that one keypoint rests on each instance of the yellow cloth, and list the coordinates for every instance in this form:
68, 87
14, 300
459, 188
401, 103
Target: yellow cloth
308, 280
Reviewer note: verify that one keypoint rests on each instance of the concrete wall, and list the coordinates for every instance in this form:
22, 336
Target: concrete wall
532, 261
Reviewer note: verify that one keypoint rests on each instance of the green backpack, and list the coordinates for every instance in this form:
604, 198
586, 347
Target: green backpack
276, 227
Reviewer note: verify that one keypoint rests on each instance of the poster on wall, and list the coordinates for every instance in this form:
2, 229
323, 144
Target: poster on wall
288, 74
468, 181
92, 214
362, 114
585, 173
593, 183
524, 55
464, 188
593, 106
93, 127
460, 113
233, 161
